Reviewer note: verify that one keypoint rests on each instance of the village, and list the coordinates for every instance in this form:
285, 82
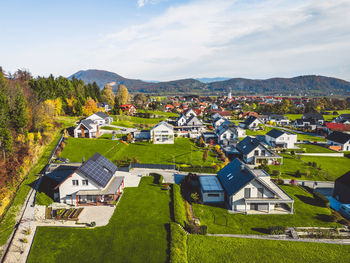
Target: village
227, 171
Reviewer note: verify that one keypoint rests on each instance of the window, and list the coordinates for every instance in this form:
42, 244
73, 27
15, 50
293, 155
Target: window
260, 192
85, 182
246, 192
75, 182
263, 153
232, 135
213, 195
256, 152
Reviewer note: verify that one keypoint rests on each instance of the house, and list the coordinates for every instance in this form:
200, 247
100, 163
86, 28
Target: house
214, 106
93, 183
104, 106
310, 124
191, 126
238, 130
169, 107
210, 138
128, 108
100, 118
252, 191
162, 133
211, 189
190, 113
215, 116
87, 129
247, 114
223, 114
315, 116
342, 188
251, 123
278, 119
255, 153
340, 139
281, 139
217, 122
343, 118
227, 135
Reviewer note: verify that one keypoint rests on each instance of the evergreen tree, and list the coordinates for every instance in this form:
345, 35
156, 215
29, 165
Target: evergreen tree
78, 108
115, 109
19, 116
5, 141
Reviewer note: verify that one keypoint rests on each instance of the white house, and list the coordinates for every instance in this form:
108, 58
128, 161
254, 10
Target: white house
211, 189
87, 129
162, 133
255, 153
251, 123
252, 191
189, 126
93, 183
218, 122
278, 119
281, 139
190, 113
341, 139
100, 118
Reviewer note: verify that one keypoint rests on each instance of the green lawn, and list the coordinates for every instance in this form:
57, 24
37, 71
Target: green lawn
8, 222
293, 117
183, 151
110, 128
258, 132
311, 138
313, 148
137, 232
335, 166
225, 249
307, 212
131, 121
160, 113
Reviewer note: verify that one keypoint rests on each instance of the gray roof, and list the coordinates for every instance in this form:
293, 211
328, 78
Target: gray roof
274, 133
339, 137
99, 169
247, 145
102, 114
235, 176
165, 123
111, 188
250, 120
313, 115
210, 184
87, 123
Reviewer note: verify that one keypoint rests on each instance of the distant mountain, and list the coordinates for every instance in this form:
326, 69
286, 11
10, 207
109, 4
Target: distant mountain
210, 80
310, 85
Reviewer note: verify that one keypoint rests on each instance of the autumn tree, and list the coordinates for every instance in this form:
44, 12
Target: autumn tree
107, 95
122, 94
90, 107
140, 100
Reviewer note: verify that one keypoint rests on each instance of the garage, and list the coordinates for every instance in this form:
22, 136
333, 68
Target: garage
259, 207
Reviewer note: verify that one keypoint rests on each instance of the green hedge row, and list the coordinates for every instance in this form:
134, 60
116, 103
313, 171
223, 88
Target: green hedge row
178, 244
179, 206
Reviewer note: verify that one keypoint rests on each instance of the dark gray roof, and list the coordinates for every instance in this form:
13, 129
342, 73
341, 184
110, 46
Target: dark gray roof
313, 115
99, 169
101, 114
250, 120
339, 137
274, 133
344, 179
235, 176
210, 184
301, 121
247, 145
87, 123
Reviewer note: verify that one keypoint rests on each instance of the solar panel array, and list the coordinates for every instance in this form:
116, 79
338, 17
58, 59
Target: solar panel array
210, 183
96, 172
103, 161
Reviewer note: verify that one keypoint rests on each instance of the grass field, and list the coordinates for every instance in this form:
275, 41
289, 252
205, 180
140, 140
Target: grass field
110, 128
258, 132
313, 148
131, 121
225, 249
160, 113
137, 232
307, 212
311, 138
183, 151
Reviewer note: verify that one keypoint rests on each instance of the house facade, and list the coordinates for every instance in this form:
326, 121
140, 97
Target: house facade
340, 139
87, 129
252, 191
251, 123
281, 139
100, 118
93, 183
211, 189
342, 188
162, 133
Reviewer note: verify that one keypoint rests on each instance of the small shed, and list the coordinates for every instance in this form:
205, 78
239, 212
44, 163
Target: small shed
211, 189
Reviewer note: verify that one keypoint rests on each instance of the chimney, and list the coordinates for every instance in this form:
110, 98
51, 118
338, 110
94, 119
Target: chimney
242, 167
83, 160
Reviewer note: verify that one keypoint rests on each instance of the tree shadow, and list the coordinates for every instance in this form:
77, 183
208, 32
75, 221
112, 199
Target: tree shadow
324, 217
309, 200
167, 229
260, 230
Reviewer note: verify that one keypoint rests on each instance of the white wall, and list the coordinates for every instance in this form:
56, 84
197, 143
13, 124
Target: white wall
67, 188
162, 131
250, 157
213, 199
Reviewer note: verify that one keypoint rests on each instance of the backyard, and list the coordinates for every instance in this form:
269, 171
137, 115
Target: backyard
137, 232
183, 151
307, 212
226, 249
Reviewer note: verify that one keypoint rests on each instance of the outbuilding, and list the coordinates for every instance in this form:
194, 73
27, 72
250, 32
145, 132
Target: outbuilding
211, 189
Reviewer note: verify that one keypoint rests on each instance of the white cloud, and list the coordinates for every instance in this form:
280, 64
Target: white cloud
141, 3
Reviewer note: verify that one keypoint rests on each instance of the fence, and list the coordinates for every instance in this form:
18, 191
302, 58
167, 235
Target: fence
152, 166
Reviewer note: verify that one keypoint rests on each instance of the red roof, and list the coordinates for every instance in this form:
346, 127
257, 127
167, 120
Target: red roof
169, 106
126, 106
333, 126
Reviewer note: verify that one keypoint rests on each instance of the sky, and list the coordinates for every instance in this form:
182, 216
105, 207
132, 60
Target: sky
170, 39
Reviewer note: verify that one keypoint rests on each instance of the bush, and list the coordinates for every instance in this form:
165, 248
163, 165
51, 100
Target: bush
276, 230
157, 178
275, 173
179, 206
178, 244
92, 224
194, 229
321, 198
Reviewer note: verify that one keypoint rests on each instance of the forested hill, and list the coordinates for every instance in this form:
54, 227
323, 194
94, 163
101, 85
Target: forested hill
311, 85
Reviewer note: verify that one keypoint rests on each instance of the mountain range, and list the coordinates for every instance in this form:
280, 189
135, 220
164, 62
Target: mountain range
309, 85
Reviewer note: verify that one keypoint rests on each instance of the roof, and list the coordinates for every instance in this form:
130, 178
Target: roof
99, 169
102, 114
111, 188
339, 137
250, 120
313, 115
247, 145
344, 179
234, 176
87, 123
210, 184
334, 126
274, 133
163, 123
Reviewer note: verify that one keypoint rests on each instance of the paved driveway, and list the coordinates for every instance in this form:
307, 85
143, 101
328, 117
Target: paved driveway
98, 214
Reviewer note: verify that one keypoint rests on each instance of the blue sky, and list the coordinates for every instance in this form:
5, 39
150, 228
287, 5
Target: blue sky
169, 39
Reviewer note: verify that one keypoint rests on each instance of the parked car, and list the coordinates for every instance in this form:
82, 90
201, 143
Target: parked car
345, 210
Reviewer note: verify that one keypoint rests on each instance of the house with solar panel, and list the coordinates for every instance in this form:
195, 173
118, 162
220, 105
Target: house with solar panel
211, 189
281, 139
252, 191
93, 183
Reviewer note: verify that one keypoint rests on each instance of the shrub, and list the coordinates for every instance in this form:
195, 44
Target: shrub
275, 173
179, 206
178, 244
24, 240
276, 230
321, 198
195, 197
92, 224
157, 178
297, 174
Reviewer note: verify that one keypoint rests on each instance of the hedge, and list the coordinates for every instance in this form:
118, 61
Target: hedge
178, 244
179, 206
